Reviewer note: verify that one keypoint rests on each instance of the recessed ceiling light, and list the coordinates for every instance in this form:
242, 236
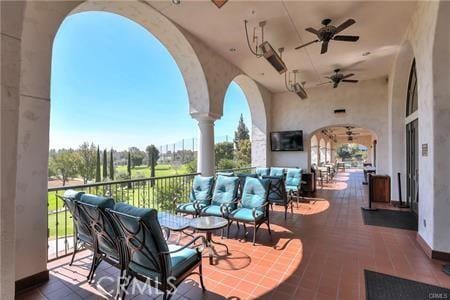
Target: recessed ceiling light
232, 49
366, 53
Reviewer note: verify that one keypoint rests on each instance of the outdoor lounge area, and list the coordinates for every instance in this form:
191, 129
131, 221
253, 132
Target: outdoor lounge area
339, 190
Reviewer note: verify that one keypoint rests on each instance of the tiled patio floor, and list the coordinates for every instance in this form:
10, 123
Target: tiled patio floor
320, 252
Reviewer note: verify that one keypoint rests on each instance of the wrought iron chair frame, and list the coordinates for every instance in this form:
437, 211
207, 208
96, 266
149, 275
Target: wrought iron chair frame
280, 189
132, 243
76, 223
96, 223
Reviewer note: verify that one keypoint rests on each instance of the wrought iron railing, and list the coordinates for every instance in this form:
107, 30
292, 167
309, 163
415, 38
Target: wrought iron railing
246, 170
154, 192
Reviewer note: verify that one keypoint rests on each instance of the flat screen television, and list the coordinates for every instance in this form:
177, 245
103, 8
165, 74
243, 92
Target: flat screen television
287, 140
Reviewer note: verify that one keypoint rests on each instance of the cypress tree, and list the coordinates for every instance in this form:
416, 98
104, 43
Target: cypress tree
242, 133
111, 164
105, 165
129, 164
97, 170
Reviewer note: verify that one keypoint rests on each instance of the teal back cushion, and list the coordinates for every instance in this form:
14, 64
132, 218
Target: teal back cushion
225, 189
276, 172
293, 176
262, 171
255, 193
70, 196
202, 189
152, 239
107, 244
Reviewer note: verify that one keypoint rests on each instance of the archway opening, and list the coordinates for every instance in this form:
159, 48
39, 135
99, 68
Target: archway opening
351, 145
233, 131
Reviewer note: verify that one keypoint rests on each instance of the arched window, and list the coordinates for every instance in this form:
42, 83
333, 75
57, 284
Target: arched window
412, 100
314, 150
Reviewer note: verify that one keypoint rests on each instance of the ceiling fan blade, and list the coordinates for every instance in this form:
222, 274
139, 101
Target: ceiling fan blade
312, 30
350, 80
328, 77
348, 75
344, 25
307, 44
328, 82
324, 47
335, 85
346, 38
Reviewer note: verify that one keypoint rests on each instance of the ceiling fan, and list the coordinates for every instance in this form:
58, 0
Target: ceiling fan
328, 32
337, 78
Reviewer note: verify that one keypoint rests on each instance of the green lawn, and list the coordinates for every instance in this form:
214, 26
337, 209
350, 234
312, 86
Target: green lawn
159, 196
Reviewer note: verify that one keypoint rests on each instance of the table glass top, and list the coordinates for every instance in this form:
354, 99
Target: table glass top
208, 223
173, 222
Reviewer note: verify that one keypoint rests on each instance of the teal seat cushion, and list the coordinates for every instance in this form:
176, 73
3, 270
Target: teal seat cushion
225, 190
260, 172
188, 207
212, 210
255, 193
180, 261
246, 214
154, 240
292, 188
276, 172
202, 189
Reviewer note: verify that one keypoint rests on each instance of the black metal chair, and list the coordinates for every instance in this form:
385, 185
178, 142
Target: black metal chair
91, 210
82, 237
278, 194
147, 256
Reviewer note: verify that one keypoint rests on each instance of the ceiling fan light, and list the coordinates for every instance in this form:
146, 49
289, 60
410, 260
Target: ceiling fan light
219, 3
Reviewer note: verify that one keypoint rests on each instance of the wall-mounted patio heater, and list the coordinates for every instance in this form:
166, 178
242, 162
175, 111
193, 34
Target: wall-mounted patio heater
293, 86
265, 49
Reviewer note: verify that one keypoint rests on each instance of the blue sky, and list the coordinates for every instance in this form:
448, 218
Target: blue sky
113, 83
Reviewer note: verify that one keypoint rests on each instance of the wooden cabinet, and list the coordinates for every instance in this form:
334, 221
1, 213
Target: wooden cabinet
309, 185
380, 188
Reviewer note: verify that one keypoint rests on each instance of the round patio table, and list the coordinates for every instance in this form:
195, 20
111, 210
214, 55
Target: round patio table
208, 225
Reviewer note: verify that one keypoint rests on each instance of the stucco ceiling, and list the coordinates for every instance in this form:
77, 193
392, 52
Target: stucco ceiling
380, 25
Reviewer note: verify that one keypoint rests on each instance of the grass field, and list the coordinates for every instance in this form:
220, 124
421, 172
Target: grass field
60, 223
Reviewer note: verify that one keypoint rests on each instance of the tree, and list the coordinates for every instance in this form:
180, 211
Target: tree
65, 163
153, 156
223, 150
241, 133
97, 166
111, 164
86, 166
244, 153
226, 164
137, 156
105, 165
129, 164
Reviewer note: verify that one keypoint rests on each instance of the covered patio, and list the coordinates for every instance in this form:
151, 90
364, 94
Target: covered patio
398, 99
319, 252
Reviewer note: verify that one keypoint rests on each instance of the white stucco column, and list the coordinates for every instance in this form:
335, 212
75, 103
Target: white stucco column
205, 156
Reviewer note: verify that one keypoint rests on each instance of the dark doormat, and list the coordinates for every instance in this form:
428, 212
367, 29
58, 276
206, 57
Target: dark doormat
386, 287
390, 218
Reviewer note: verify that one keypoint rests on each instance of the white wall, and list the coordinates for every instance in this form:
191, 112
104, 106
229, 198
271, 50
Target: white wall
366, 105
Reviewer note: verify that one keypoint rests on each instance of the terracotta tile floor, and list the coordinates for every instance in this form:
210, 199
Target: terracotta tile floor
320, 252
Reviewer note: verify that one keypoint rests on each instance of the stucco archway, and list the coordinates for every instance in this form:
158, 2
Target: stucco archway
259, 118
40, 25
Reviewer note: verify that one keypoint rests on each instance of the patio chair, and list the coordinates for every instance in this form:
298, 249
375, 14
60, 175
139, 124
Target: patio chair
253, 208
81, 236
277, 172
104, 233
200, 196
147, 256
224, 197
260, 172
278, 194
294, 182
